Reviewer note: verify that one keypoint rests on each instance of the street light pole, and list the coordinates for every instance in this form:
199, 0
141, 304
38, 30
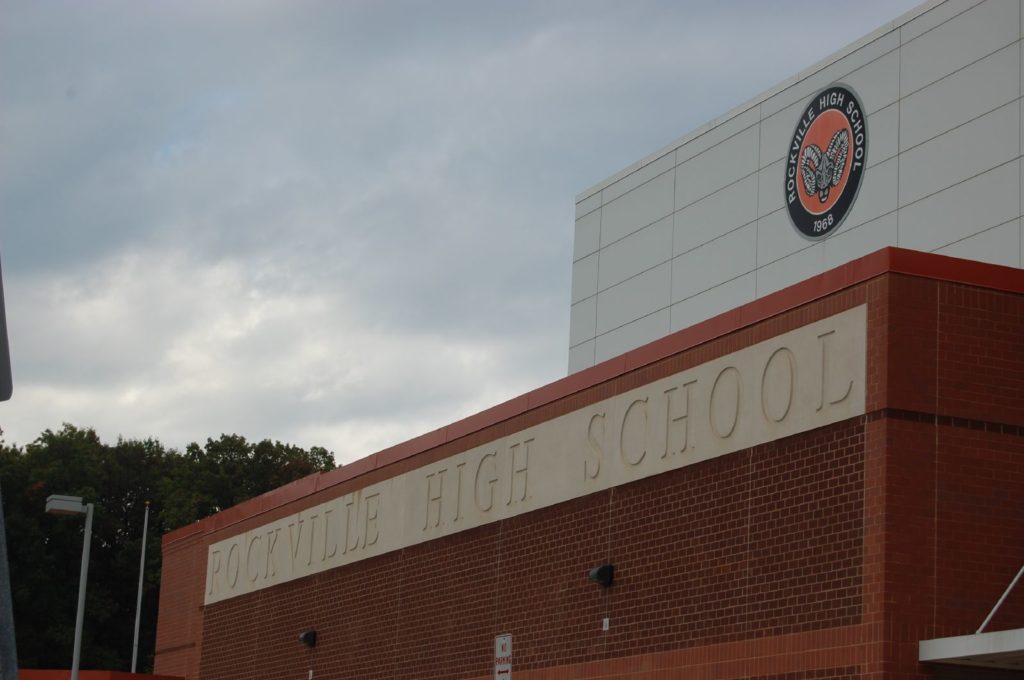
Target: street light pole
138, 599
82, 578
72, 505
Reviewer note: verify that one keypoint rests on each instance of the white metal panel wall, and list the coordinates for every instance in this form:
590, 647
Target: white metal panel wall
700, 227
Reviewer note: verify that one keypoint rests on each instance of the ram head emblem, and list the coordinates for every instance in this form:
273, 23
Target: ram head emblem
823, 170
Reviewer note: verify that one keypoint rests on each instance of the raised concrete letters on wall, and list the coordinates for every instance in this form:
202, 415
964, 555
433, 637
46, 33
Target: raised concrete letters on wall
798, 381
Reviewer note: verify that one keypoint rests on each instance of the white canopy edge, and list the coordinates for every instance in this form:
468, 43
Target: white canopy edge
999, 649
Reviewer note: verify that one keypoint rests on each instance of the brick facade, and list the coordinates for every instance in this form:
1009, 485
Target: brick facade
827, 554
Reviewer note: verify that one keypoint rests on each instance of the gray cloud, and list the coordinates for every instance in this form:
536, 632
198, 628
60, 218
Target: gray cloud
331, 223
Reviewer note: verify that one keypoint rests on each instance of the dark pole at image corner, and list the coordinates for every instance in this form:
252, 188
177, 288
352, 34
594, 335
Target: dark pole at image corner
6, 382
8, 647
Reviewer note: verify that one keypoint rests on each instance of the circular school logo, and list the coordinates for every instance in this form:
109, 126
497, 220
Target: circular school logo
826, 162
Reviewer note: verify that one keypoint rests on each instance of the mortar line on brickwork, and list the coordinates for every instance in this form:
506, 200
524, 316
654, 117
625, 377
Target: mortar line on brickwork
395, 641
497, 583
946, 421
256, 641
606, 594
748, 605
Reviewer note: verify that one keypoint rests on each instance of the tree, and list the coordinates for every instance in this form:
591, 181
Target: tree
45, 551
229, 470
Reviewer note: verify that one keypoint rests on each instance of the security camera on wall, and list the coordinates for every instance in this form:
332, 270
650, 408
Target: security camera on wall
308, 638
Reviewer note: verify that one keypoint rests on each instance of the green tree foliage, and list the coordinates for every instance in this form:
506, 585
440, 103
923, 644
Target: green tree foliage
45, 551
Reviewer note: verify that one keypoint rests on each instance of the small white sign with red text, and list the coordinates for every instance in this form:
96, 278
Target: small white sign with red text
503, 657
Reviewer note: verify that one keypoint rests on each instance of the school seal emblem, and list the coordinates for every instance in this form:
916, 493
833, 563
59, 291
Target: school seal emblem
825, 162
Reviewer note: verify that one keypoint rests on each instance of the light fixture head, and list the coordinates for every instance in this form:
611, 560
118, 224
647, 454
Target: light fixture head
603, 575
308, 638
64, 505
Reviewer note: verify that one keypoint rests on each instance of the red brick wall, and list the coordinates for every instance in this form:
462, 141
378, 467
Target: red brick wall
761, 543
953, 467
980, 521
980, 367
179, 635
954, 530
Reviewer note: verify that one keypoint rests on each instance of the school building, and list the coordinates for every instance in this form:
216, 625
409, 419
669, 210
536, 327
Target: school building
790, 444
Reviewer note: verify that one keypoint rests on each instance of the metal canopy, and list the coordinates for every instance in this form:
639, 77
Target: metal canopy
999, 649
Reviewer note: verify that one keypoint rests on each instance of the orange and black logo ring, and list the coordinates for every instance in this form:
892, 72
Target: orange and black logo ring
825, 161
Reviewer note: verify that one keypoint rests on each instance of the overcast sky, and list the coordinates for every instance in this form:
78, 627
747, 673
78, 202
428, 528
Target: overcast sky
333, 223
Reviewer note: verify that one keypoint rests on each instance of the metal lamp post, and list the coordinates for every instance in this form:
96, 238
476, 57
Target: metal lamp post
138, 599
72, 505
